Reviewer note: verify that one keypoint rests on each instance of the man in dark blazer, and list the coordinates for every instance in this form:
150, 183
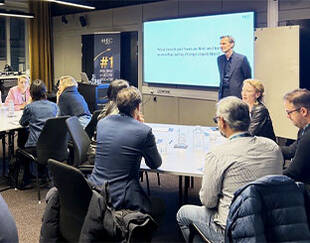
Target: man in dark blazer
122, 140
233, 68
297, 107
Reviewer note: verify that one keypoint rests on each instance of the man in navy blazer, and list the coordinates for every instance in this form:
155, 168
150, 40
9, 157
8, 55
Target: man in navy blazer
122, 140
233, 68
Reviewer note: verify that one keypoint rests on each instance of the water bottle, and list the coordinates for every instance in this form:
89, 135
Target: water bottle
198, 139
93, 79
11, 108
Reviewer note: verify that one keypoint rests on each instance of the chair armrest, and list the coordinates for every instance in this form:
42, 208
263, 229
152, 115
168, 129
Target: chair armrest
26, 154
86, 169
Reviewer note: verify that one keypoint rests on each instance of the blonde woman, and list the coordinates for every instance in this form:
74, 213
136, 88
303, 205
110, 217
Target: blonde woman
71, 102
19, 94
252, 94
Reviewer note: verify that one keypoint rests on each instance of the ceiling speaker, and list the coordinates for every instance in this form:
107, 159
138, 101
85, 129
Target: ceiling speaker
64, 20
83, 21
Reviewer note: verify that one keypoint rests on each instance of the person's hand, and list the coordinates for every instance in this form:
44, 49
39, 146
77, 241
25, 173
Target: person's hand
22, 106
57, 96
140, 117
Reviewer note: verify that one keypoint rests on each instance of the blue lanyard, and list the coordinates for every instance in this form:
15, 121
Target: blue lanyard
240, 135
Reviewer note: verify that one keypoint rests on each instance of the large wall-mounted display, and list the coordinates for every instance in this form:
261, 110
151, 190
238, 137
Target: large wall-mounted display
184, 51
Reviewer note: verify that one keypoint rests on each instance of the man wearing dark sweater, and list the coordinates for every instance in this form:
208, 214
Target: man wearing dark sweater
297, 107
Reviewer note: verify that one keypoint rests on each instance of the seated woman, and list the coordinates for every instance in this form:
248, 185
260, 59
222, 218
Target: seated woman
71, 102
37, 112
35, 115
261, 124
111, 108
19, 94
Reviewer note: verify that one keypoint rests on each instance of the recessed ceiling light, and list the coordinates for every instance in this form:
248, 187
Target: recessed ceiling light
18, 15
72, 4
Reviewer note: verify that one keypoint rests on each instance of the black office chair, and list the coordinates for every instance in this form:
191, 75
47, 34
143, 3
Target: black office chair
81, 143
52, 143
92, 125
74, 198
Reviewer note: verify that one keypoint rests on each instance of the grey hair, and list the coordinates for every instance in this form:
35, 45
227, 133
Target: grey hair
235, 112
230, 39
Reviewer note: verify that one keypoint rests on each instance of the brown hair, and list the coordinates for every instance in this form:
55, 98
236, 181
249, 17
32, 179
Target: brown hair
299, 98
128, 99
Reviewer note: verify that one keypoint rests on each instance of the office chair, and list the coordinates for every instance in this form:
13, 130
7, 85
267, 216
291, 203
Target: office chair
74, 198
81, 143
92, 125
261, 211
52, 143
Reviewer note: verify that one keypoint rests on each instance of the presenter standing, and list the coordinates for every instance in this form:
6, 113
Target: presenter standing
233, 68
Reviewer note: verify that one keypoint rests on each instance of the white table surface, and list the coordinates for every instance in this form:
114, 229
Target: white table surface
183, 148
9, 123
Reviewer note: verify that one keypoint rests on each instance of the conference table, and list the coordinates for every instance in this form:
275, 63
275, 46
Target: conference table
183, 149
8, 125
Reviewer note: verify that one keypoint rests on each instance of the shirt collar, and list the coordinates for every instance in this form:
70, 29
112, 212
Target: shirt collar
305, 128
230, 56
239, 134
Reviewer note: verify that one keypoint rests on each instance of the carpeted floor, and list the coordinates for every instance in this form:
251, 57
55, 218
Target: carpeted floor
28, 213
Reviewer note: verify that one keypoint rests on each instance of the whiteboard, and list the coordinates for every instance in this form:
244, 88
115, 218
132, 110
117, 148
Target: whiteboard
277, 66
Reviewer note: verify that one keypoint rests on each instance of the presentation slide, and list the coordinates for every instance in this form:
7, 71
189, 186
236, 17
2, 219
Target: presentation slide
184, 51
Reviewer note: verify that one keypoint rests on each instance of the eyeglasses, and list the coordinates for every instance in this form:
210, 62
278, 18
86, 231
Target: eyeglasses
215, 119
291, 111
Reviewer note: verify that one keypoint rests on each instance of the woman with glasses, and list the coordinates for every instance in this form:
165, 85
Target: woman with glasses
261, 124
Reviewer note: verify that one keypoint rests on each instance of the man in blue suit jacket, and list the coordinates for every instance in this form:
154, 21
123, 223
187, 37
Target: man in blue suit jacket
233, 68
122, 140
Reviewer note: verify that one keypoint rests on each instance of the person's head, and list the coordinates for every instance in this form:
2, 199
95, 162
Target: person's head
227, 43
37, 90
128, 101
114, 87
297, 107
23, 83
232, 115
65, 82
252, 91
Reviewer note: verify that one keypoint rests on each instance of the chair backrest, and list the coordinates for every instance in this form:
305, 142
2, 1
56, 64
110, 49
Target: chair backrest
91, 127
80, 139
270, 209
74, 198
53, 140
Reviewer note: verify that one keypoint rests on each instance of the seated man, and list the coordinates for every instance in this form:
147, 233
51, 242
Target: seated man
242, 159
122, 140
297, 107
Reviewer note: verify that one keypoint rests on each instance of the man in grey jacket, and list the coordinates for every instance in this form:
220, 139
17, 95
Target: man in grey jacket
242, 159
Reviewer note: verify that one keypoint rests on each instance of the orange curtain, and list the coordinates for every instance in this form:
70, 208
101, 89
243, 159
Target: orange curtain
40, 42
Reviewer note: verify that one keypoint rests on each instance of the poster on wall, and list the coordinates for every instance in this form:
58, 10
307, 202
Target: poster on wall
106, 57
